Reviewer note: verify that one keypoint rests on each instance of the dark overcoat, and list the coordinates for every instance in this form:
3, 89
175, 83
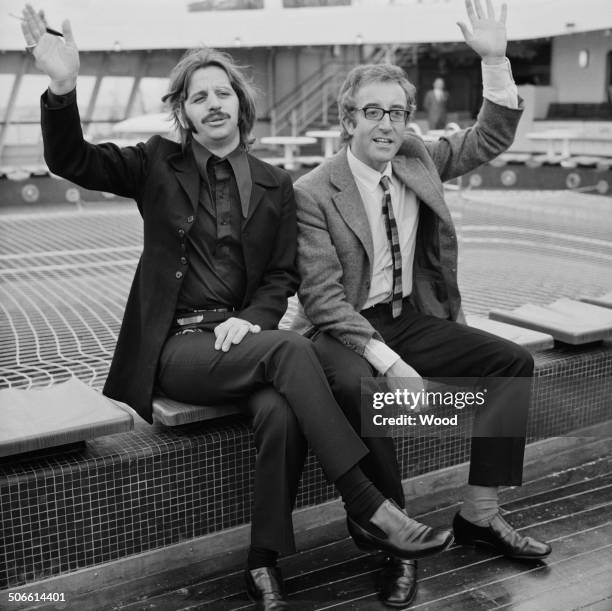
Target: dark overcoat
164, 181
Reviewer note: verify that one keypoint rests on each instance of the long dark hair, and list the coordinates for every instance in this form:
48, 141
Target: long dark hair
180, 78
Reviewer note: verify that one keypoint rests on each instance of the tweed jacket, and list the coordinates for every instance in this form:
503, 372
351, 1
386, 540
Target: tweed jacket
164, 181
335, 250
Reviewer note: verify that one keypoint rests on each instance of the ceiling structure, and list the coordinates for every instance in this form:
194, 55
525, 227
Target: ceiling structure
163, 24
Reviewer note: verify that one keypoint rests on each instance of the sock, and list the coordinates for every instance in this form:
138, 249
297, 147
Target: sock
260, 556
480, 504
361, 498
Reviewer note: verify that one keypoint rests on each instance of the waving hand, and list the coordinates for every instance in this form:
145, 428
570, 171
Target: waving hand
488, 35
57, 57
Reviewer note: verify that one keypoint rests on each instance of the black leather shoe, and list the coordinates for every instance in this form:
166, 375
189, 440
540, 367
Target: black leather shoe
265, 586
398, 582
393, 532
500, 536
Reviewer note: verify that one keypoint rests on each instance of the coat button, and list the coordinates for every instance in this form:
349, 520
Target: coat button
184, 261
190, 219
178, 275
181, 232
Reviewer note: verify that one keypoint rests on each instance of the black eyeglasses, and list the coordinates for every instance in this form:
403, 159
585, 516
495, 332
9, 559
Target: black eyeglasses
375, 113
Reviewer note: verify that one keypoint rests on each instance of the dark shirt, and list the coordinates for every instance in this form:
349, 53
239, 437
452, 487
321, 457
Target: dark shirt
216, 276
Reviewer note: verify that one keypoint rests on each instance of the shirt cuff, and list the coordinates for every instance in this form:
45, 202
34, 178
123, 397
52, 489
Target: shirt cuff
379, 355
60, 101
498, 85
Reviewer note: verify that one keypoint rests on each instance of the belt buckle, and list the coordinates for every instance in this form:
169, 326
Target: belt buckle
188, 320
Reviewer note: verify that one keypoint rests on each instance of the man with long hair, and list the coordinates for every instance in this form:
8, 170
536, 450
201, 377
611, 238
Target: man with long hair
217, 267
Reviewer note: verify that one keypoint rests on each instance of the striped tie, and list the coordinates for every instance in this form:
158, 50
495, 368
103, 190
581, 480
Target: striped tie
394, 245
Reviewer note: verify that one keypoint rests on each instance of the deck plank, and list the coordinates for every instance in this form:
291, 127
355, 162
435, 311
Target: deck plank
580, 589
555, 507
461, 569
541, 583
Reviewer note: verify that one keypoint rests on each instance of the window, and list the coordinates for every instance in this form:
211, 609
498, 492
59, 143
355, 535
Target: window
305, 3
224, 5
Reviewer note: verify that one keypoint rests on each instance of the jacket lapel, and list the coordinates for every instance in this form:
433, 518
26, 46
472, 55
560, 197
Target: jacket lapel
187, 174
262, 178
348, 202
415, 176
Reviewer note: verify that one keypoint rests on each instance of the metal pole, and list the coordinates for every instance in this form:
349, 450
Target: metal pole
141, 71
293, 122
10, 107
94, 95
324, 104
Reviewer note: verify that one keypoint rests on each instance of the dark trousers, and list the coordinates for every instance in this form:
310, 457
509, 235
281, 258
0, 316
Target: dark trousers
344, 369
281, 451
439, 348
192, 371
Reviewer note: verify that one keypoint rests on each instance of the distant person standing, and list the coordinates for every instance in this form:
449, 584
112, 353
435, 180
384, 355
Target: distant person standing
435, 105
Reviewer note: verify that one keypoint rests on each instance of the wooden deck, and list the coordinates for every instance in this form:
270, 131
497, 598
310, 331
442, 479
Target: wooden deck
572, 509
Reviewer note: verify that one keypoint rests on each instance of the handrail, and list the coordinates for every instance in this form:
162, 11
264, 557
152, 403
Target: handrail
307, 93
296, 90
281, 114
311, 106
311, 98
337, 63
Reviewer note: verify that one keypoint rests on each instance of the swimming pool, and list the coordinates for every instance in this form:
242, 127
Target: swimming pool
65, 274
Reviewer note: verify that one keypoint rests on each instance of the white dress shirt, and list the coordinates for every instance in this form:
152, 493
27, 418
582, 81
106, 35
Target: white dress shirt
406, 213
498, 87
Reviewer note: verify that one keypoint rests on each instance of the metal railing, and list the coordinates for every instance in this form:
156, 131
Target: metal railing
310, 101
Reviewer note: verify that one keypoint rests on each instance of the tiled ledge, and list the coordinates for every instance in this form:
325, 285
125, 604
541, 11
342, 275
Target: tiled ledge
134, 492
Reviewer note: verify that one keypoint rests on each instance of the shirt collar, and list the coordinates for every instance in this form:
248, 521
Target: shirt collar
368, 176
240, 166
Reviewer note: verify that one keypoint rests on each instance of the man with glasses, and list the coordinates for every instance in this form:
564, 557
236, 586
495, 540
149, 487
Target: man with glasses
377, 254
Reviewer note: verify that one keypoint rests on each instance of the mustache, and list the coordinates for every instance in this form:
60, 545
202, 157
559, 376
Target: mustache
214, 116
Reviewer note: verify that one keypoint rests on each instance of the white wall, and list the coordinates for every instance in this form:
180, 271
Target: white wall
163, 24
572, 83
536, 100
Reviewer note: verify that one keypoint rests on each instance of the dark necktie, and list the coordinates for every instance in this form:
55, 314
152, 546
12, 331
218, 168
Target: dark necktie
394, 245
219, 172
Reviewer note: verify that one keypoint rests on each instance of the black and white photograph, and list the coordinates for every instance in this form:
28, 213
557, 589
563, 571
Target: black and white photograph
305, 305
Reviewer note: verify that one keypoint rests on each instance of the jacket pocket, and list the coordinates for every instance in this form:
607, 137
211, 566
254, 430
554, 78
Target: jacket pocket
430, 295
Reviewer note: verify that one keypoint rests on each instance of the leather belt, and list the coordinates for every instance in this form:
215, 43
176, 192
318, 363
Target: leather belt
192, 317
385, 307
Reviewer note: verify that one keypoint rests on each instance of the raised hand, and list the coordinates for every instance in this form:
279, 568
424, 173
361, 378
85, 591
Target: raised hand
57, 57
488, 36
